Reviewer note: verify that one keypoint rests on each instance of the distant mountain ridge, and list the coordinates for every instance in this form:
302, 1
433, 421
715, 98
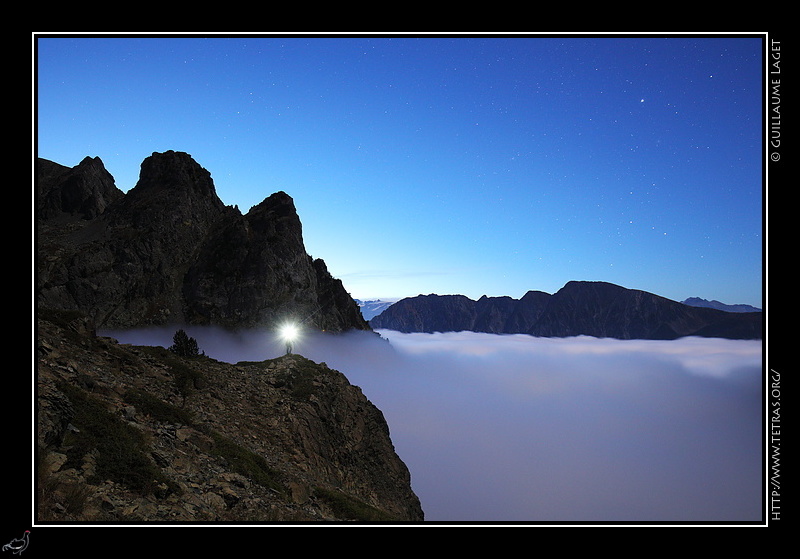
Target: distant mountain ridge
714, 304
597, 309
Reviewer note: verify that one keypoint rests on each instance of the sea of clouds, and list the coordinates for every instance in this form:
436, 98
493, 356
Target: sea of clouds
513, 428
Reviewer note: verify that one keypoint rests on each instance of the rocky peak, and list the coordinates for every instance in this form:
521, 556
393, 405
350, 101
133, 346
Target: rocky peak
169, 251
279, 204
83, 192
175, 171
172, 189
276, 217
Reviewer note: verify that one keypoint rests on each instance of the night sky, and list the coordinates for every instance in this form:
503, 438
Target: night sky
473, 165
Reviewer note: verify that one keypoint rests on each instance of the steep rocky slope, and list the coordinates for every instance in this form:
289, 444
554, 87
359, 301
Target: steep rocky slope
141, 434
170, 252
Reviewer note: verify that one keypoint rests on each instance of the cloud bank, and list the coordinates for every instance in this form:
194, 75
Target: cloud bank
507, 428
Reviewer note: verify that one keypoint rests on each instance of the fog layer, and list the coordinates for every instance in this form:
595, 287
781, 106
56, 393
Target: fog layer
516, 428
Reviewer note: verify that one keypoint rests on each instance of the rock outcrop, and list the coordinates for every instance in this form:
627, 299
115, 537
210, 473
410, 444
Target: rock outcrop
170, 252
580, 308
141, 434
84, 191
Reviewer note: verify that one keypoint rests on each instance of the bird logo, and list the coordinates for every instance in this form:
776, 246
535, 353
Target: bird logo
18, 545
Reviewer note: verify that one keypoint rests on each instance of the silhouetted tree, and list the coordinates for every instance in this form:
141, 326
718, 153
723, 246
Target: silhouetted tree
183, 345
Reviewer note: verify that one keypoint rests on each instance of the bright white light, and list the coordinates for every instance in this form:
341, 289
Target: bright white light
289, 332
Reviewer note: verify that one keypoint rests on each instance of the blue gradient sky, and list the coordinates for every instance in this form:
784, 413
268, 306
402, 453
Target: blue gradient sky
478, 165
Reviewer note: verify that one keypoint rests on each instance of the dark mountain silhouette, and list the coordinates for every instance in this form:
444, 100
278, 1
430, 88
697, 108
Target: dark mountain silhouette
147, 434
598, 309
169, 251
